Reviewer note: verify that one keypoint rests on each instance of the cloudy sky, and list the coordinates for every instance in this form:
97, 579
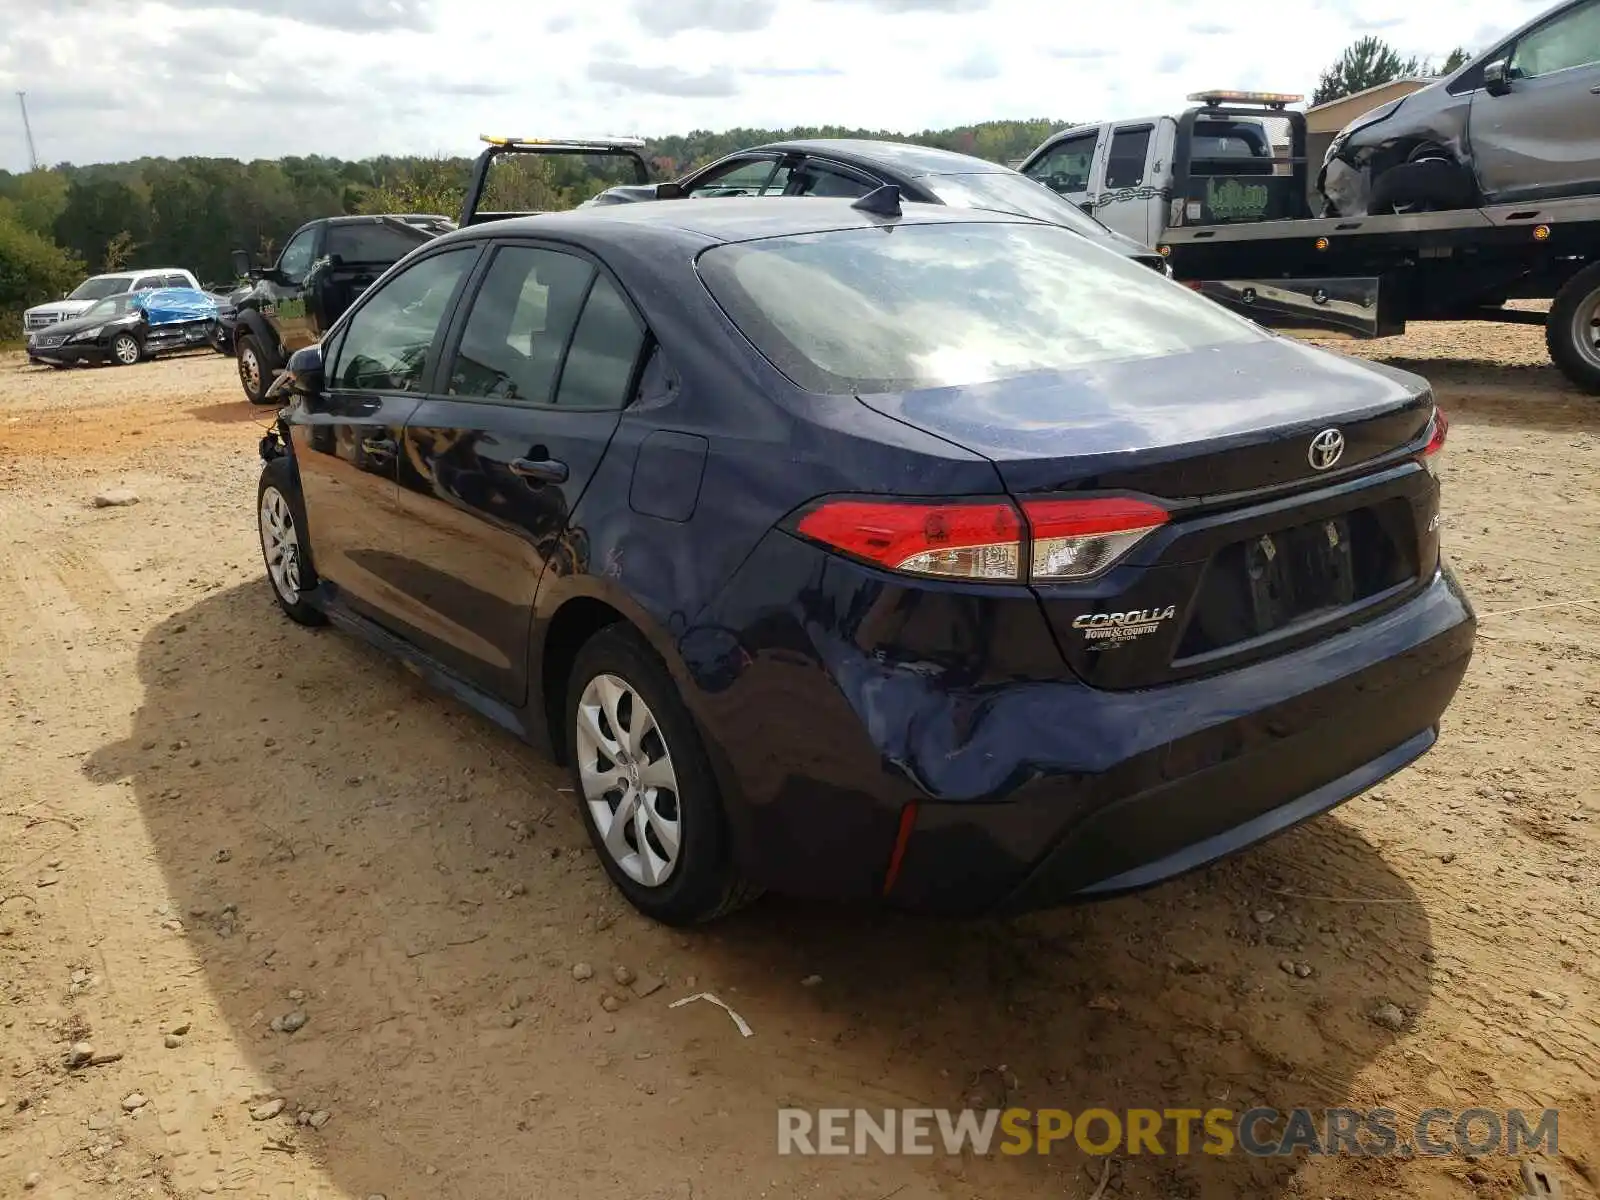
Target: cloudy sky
117, 79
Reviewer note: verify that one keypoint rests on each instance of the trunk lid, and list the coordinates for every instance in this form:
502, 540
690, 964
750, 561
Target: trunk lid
1263, 551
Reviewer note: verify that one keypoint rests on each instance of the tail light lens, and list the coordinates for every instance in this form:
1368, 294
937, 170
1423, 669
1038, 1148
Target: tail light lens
1078, 539
983, 539
962, 540
1433, 453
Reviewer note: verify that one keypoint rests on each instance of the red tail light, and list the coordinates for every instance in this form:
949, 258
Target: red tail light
1078, 539
961, 540
1433, 452
982, 539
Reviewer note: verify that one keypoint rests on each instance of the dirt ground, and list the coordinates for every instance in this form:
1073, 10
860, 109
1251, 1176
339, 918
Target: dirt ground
211, 819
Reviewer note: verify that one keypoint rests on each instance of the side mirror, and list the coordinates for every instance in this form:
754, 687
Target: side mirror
302, 376
669, 191
241, 264
1497, 78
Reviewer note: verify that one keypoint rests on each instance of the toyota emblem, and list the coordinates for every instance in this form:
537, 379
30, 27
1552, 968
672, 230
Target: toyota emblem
1327, 448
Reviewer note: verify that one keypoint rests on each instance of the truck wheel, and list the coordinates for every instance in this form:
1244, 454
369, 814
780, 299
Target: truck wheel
258, 366
1572, 331
1426, 185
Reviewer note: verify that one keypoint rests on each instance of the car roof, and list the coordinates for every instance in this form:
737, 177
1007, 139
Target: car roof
905, 157
137, 271
729, 218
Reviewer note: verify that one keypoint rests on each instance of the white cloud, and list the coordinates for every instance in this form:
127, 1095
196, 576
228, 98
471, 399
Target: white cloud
353, 78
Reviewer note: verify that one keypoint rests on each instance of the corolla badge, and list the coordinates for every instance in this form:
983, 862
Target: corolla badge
1327, 448
1114, 628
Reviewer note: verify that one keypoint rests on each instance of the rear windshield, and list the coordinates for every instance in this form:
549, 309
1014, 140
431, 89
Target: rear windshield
899, 307
1229, 139
1004, 191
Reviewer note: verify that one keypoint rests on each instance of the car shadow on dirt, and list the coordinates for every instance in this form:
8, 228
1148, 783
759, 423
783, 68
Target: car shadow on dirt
1513, 394
331, 827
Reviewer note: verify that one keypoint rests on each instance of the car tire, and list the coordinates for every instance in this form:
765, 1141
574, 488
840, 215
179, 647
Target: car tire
1572, 330
1423, 185
125, 350
285, 550
258, 366
671, 858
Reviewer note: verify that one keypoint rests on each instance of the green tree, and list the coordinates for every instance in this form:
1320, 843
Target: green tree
1456, 59
1366, 63
33, 269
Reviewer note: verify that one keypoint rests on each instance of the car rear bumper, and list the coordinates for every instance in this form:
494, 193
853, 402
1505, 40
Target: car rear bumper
1040, 793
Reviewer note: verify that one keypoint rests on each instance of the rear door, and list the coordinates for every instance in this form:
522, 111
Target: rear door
1539, 139
347, 440
542, 361
1129, 188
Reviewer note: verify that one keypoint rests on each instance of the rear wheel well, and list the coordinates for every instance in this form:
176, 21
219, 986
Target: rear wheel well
574, 624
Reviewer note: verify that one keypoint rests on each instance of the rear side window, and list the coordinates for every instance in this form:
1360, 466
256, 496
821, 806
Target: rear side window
522, 319
605, 349
371, 243
947, 305
1125, 166
814, 179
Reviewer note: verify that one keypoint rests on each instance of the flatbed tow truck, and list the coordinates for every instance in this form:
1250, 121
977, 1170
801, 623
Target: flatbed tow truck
1368, 276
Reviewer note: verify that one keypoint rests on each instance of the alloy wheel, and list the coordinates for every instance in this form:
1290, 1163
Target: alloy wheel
628, 779
126, 350
280, 544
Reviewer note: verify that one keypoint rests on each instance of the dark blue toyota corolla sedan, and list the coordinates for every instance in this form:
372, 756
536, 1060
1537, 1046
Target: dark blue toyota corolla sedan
848, 550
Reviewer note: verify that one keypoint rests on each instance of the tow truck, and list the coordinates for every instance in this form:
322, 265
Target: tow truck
1366, 277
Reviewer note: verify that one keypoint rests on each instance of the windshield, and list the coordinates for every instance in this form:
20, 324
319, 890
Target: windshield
113, 306
99, 287
1006, 191
896, 308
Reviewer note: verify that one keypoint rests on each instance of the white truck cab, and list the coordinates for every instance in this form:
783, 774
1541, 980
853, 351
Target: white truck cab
1124, 172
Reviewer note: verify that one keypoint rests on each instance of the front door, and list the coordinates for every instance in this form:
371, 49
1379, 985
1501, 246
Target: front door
1539, 139
347, 440
543, 360
284, 291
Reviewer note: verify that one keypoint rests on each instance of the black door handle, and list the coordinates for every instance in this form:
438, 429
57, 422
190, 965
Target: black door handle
379, 447
1595, 90
545, 470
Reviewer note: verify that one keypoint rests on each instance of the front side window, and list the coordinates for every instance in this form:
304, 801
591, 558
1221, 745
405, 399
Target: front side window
747, 177
1570, 40
386, 342
1065, 167
947, 305
1125, 164
522, 318
295, 260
